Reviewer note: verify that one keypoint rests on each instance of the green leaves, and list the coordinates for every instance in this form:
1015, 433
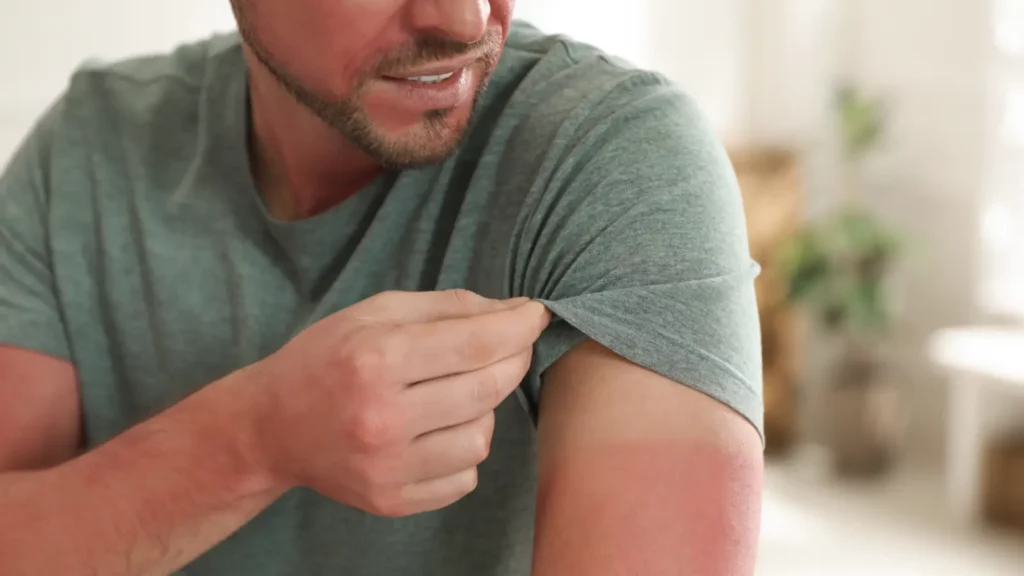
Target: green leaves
837, 268
863, 120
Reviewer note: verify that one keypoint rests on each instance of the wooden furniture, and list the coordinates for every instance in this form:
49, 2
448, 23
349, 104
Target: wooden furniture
770, 181
1003, 482
986, 401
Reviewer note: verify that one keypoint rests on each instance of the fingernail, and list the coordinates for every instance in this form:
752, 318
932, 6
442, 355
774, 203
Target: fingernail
540, 307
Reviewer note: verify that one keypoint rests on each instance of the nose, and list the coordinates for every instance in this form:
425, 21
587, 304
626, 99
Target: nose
462, 20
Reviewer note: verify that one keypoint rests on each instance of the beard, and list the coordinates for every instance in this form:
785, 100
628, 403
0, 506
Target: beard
437, 137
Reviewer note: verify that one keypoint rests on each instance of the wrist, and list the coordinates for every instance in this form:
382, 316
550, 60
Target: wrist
248, 402
235, 410
188, 476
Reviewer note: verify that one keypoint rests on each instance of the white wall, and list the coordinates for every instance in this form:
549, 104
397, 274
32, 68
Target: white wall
703, 45
794, 61
590, 22
41, 43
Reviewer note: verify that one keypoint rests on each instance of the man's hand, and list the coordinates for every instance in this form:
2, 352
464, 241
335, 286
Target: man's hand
388, 406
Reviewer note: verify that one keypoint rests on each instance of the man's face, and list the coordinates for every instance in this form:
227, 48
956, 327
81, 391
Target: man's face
399, 78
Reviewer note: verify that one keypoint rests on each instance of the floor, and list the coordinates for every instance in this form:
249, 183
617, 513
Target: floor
815, 526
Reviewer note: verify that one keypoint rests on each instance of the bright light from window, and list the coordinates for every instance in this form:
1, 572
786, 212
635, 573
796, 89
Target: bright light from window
997, 227
1012, 125
1009, 37
1002, 221
1009, 26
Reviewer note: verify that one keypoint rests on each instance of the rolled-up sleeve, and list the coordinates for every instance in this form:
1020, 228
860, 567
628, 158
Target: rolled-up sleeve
637, 240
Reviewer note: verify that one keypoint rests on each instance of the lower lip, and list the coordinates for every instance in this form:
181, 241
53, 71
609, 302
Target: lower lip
444, 95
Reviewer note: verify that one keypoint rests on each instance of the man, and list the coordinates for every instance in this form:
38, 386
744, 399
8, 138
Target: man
313, 301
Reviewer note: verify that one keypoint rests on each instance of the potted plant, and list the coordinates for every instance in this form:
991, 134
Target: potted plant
836, 268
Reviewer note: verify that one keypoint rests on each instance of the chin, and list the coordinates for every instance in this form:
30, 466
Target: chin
433, 139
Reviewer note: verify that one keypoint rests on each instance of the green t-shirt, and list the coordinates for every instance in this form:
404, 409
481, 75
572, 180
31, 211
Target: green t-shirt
133, 242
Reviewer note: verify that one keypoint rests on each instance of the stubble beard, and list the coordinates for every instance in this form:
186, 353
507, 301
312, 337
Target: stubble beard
438, 136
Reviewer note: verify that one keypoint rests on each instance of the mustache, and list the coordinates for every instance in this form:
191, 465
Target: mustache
427, 49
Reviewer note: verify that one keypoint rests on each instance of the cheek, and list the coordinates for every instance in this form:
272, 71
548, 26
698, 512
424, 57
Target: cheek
502, 12
327, 44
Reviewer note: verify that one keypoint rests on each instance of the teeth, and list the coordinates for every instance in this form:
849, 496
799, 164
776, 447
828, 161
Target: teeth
431, 79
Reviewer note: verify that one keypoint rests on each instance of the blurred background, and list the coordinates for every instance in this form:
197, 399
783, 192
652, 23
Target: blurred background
880, 149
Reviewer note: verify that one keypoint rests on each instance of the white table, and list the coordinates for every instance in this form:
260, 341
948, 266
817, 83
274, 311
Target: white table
986, 397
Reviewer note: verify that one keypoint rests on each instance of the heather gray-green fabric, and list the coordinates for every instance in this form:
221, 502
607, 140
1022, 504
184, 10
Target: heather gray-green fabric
134, 243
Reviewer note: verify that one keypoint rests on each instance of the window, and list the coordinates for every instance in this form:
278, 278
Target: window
1002, 225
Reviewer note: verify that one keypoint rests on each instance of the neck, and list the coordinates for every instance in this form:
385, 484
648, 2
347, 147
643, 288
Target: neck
301, 165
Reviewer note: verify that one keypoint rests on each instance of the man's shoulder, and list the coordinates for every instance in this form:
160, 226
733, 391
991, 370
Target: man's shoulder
551, 88
555, 53
558, 101
186, 63
138, 90
147, 113
564, 74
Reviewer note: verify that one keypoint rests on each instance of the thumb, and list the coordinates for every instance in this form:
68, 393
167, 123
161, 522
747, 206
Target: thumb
416, 307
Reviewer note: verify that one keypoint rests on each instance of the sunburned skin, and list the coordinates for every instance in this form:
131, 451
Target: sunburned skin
647, 509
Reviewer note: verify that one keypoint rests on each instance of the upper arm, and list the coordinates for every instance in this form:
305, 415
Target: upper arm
636, 470
39, 404
40, 422
651, 407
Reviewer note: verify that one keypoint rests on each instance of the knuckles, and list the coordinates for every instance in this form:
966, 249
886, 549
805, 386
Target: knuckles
478, 444
470, 480
464, 298
480, 447
494, 383
374, 428
487, 387
368, 364
382, 298
525, 361
374, 474
477, 350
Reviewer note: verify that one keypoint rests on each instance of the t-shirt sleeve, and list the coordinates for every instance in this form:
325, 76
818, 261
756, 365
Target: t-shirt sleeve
29, 312
638, 241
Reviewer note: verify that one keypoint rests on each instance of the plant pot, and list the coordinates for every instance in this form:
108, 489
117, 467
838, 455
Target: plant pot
862, 407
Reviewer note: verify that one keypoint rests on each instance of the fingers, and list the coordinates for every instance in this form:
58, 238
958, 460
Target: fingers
445, 464
435, 349
454, 400
446, 452
410, 307
438, 493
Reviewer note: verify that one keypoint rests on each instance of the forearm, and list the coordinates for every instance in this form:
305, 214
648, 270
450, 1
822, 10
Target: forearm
145, 503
